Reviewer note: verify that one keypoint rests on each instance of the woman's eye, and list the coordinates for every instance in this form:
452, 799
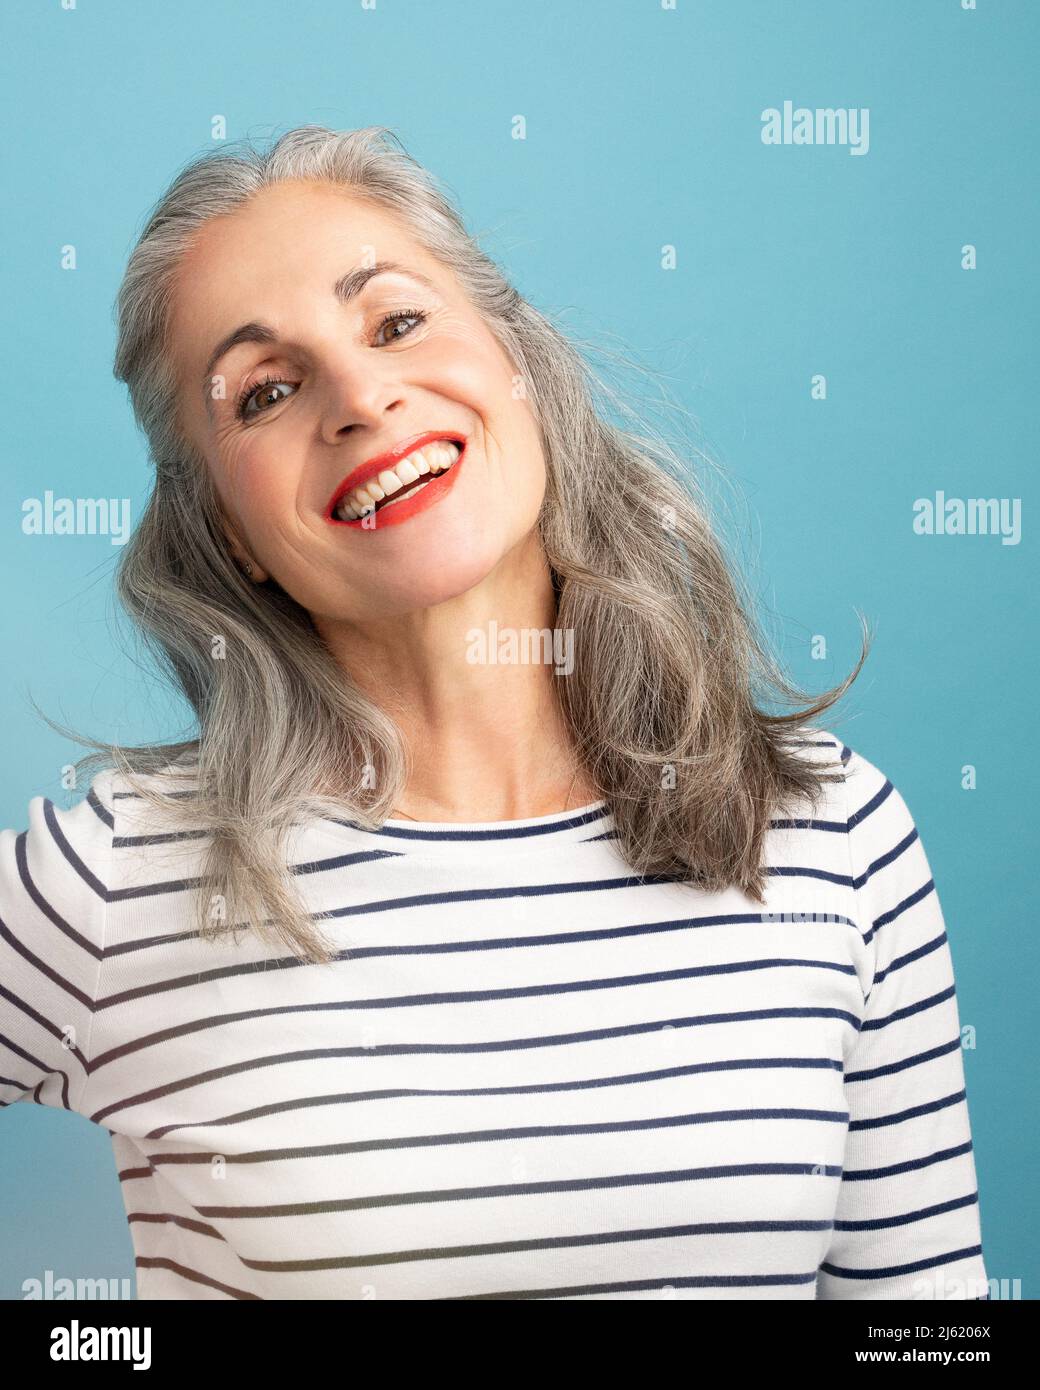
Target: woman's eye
263, 391
394, 319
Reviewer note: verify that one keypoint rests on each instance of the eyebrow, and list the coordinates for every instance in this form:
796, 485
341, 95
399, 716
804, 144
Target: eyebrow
346, 288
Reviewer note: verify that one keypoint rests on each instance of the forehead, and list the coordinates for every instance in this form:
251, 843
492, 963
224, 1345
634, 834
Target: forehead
242, 264
303, 214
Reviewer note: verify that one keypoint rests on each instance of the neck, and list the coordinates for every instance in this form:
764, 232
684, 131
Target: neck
468, 685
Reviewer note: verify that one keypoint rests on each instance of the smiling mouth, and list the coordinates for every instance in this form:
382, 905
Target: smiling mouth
408, 476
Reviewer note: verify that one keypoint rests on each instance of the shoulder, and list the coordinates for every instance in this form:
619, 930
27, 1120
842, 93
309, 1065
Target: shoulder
862, 794
149, 804
65, 847
70, 847
888, 865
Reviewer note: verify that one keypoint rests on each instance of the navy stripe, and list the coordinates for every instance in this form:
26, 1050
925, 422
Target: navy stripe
908, 958
159, 1218
408, 1001
156, 1262
483, 835
22, 860
36, 1063
6, 934
881, 1223
912, 1113
483, 943
101, 811
890, 1068
911, 1165
88, 877
167, 837
482, 1136
502, 1247
527, 1189
918, 895
909, 1010
595, 1083
874, 804
623, 1286
457, 1049
893, 1271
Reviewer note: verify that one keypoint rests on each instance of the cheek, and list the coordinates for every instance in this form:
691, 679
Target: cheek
471, 366
254, 484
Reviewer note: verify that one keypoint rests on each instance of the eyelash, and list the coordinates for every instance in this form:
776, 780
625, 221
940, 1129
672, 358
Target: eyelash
252, 387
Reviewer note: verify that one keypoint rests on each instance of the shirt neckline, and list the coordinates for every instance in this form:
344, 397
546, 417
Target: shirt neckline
504, 828
533, 833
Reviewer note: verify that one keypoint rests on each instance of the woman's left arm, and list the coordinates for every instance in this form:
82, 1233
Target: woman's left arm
907, 1223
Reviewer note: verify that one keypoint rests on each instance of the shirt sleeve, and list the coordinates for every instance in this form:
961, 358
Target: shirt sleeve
53, 897
907, 1221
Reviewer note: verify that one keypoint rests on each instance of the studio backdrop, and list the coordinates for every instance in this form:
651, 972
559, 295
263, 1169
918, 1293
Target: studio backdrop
800, 233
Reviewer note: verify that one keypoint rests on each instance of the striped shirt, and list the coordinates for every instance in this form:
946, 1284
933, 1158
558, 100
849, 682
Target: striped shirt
528, 1073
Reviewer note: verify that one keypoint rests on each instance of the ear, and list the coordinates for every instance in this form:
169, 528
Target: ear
252, 568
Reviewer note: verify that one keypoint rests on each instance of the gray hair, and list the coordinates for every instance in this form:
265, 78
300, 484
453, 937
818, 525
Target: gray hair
669, 674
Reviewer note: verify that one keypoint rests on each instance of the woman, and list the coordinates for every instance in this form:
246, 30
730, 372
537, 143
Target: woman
593, 978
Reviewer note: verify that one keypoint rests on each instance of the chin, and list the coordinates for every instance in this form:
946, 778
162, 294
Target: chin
424, 581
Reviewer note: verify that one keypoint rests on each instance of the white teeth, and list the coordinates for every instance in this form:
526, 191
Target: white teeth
434, 459
395, 500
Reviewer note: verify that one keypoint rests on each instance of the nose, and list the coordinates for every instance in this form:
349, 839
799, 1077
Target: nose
356, 390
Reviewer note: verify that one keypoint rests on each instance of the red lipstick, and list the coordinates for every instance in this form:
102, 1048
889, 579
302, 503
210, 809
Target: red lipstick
436, 485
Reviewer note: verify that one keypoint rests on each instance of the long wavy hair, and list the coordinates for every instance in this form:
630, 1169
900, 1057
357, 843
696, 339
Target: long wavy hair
665, 699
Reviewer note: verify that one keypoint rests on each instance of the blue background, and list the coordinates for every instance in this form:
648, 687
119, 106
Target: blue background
643, 131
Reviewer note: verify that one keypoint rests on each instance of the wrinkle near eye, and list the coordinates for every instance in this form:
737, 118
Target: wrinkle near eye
231, 446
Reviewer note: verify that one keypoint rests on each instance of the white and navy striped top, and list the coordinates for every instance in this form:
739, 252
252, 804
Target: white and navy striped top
528, 1073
